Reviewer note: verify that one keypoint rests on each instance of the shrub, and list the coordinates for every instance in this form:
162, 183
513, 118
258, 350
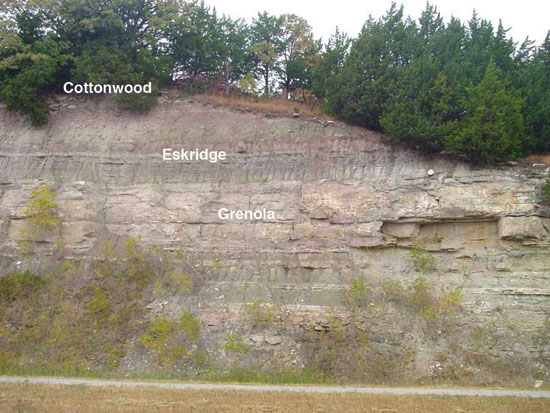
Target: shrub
172, 340
422, 259
449, 302
161, 338
24, 91
393, 290
21, 285
190, 326
430, 306
181, 282
234, 343
259, 314
40, 212
139, 267
421, 298
99, 305
136, 102
357, 295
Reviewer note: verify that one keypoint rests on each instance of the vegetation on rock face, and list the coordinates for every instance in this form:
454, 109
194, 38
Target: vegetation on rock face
259, 314
40, 212
461, 87
63, 323
172, 340
423, 260
546, 192
111, 322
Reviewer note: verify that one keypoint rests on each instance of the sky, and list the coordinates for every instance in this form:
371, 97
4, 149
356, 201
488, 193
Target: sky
524, 17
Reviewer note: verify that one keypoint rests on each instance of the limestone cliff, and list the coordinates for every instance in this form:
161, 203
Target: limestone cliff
347, 206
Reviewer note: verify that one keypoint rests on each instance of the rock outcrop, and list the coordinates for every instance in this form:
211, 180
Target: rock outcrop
346, 205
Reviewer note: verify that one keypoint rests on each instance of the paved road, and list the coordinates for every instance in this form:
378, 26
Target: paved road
302, 389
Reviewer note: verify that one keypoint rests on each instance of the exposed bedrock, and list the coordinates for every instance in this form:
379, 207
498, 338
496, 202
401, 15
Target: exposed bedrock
346, 205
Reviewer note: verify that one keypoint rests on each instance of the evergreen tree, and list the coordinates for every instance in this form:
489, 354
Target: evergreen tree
464, 88
197, 45
237, 59
365, 83
477, 49
492, 128
329, 63
266, 33
537, 91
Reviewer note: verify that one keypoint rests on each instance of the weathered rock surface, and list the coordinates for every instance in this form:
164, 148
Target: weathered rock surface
346, 205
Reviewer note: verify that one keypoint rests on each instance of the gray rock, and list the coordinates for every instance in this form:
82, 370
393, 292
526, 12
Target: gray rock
273, 340
346, 206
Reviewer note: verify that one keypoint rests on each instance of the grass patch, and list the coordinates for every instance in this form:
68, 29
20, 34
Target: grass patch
261, 104
39, 397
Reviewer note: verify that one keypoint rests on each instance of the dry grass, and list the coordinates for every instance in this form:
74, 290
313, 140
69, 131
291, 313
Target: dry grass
56, 398
272, 105
537, 158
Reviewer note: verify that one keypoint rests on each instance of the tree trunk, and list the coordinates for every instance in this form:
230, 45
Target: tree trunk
267, 81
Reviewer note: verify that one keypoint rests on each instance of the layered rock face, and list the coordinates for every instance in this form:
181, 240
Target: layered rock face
347, 205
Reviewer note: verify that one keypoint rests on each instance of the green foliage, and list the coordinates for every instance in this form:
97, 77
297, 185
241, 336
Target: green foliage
139, 268
27, 74
259, 314
492, 125
298, 49
346, 349
20, 285
421, 298
172, 340
161, 338
430, 306
247, 84
449, 302
364, 83
136, 102
460, 87
422, 258
357, 295
393, 290
532, 81
40, 212
181, 282
41, 218
266, 32
59, 324
327, 66
546, 192
234, 343
99, 305
190, 326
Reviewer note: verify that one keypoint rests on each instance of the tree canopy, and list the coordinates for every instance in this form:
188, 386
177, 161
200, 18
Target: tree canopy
465, 88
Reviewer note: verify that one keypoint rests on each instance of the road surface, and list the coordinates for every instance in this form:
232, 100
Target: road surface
289, 388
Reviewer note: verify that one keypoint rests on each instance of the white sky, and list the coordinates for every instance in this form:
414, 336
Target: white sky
524, 17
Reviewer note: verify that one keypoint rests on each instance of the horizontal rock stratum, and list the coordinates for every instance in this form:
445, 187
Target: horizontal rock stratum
346, 205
